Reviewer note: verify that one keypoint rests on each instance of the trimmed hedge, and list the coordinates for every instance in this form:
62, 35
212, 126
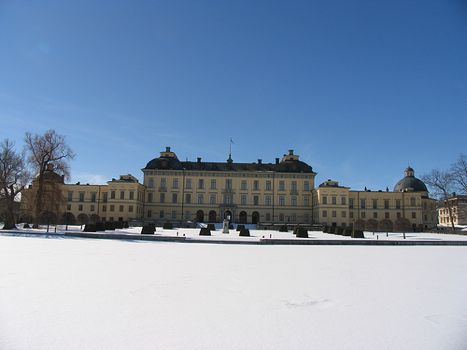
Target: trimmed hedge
283, 228
125, 224
167, 225
211, 227
347, 232
340, 231
118, 224
204, 231
332, 229
300, 232
100, 226
110, 225
358, 234
326, 229
240, 227
148, 229
26, 226
89, 228
244, 232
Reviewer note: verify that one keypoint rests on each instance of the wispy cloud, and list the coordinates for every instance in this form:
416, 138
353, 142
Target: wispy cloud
89, 178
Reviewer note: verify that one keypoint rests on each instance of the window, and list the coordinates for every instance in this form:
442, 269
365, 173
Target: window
398, 214
255, 200
163, 183
150, 197
375, 203
268, 200
281, 185
398, 203
162, 197
92, 207
281, 217
149, 213
188, 183
120, 208
174, 198
333, 200
228, 199
81, 196
293, 217
151, 183
80, 207
325, 213
375, 215
212, 199
68, 207
386, 215
93, 197
351, 203
325, 200
281, 200
104, 208
132, 195
306, 200
228, 184
130, 208
70, 196
343, 201
122, 194
414, 215
174, 214
293, 186
175, 183
268, 185
344, 214
161, 214
200, 199
306, 185
363, 215
112, 194
351, 214
105, 197
412, 201
362, 203
256, 185
201, 184
268, 216
243, 185
294, 201
243, 199
213, 184
386, 204
188, 198
334, 213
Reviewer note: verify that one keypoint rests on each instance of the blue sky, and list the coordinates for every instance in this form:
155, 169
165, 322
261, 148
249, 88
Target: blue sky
359, 89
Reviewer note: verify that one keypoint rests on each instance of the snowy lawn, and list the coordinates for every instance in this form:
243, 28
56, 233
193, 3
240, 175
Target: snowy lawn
66, 293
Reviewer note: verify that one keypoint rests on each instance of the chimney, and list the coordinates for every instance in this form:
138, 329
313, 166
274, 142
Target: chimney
290, 152
260, 161
199, 159
167, 149
277, 160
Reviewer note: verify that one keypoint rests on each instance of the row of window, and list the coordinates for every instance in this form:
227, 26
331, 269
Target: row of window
189, 216
227, 199
111, 207
228, 184
93, 196
324, 214
375, 203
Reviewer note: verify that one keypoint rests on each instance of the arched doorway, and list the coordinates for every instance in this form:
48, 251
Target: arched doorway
83, 219
200, 216
242, 217
94, 218
68, 219
255, 217
212, 216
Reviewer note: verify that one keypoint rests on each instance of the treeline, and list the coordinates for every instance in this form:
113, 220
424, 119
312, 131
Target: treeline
17, 168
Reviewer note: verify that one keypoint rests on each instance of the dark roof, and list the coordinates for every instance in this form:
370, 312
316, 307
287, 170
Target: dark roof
287, 166
52, 176
410, 184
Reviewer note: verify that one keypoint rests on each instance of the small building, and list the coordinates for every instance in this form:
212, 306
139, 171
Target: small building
458, 205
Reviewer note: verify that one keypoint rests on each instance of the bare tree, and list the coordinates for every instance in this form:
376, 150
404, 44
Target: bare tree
442, 185
46, 152
13, 178
459, 173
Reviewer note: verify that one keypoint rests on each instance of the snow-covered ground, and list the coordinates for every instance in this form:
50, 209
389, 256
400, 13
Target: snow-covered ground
70, 293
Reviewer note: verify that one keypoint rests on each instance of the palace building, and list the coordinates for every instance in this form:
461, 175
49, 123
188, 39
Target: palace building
281, 192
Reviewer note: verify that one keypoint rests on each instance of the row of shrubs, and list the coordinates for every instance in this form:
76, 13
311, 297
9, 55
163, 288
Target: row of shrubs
105, 226
243, 232
343, 231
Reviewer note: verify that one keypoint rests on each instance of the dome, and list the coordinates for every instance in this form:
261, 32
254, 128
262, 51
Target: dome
410, 183
163, 163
